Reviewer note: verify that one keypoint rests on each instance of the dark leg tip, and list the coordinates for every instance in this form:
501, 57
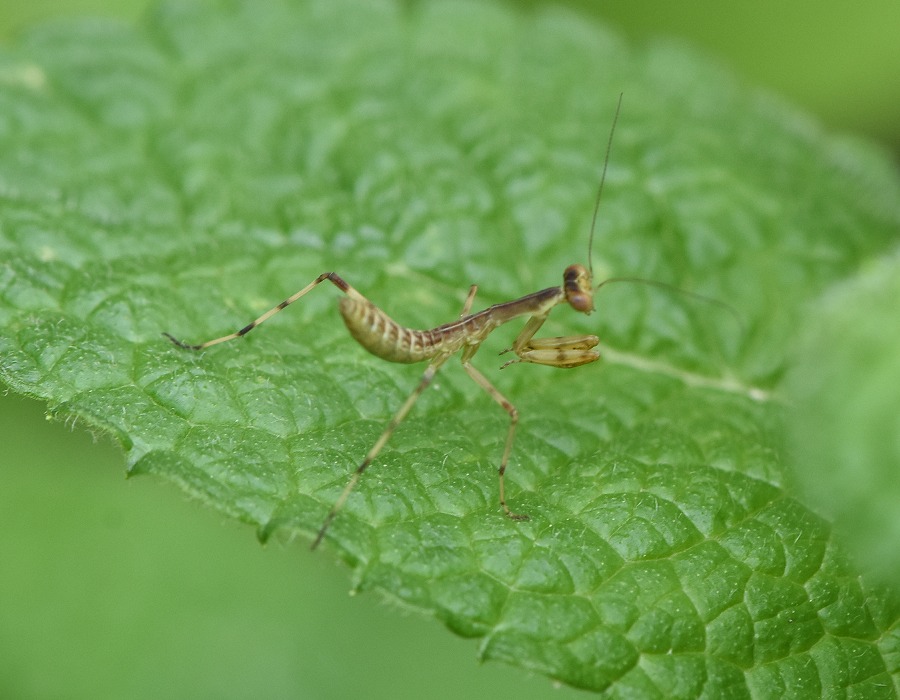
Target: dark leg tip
513, 516
180, 343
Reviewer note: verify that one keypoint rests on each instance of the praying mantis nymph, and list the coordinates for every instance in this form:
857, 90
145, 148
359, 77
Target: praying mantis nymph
382, 336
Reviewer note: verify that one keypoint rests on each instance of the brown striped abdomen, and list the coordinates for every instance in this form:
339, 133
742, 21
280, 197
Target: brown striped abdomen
382, 336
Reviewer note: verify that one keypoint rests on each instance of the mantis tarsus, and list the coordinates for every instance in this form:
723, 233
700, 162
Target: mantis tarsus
382, 336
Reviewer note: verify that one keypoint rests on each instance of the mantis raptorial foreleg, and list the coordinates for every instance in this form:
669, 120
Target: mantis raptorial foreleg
564, 351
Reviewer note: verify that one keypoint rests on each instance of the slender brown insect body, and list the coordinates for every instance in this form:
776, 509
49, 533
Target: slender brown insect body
385, 338
382, 336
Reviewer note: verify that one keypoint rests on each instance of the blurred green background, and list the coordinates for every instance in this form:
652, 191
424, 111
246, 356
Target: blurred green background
111, 588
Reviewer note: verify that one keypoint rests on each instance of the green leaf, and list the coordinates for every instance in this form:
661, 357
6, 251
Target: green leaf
846, 426
187, 174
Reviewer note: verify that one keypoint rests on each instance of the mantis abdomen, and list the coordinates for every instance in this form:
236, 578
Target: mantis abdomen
385, 338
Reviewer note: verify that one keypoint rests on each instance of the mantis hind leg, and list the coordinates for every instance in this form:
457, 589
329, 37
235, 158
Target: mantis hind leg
332, 277
467, 307
389, 429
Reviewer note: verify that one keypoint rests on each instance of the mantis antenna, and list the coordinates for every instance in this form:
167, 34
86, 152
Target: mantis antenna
640, 280
609, 143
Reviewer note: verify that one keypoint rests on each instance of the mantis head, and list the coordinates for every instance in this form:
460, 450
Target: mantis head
578, 286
